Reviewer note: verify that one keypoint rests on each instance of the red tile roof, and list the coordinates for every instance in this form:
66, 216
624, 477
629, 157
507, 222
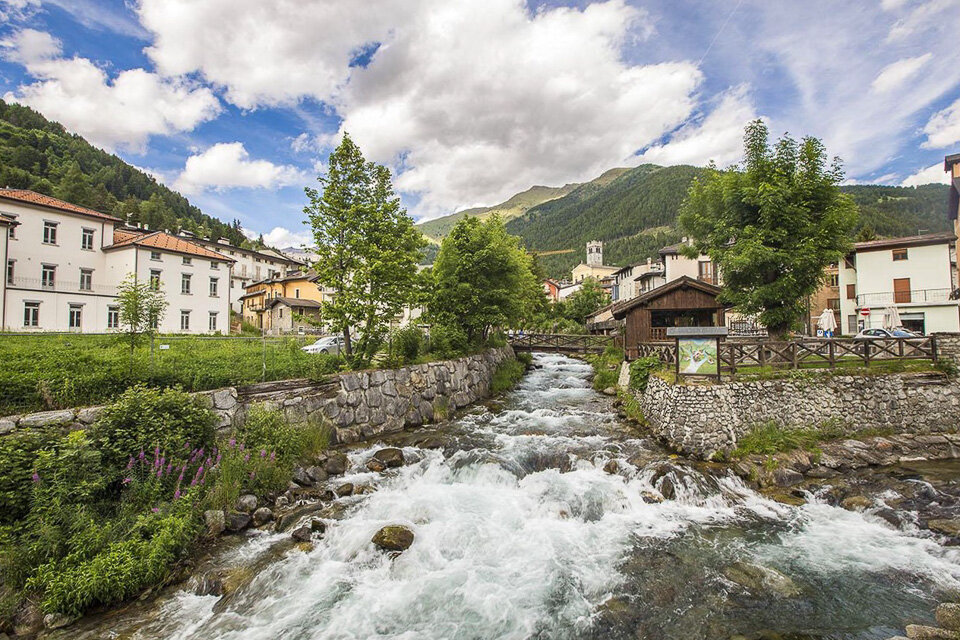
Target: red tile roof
164, 242
5, 219
32, 197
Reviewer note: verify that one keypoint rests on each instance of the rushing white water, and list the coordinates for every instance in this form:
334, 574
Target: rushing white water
520, 533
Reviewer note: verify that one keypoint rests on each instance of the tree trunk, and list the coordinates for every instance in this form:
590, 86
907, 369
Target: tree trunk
347, 344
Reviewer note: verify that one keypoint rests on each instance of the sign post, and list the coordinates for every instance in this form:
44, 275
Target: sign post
698, 350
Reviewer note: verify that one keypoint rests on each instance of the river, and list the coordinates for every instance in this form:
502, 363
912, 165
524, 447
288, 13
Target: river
521, 533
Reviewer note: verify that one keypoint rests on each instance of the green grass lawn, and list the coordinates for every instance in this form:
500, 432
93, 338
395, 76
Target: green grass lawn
53, 371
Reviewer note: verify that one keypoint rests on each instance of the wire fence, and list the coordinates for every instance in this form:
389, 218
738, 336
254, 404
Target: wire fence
46, 371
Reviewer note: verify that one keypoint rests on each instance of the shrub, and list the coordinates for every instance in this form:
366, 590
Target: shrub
144, 419
507, 374
407, 342
18, 454
526, 358
640, 370
448, 341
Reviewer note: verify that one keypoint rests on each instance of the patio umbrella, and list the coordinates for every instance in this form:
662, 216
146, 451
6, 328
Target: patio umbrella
826, 321
891, 318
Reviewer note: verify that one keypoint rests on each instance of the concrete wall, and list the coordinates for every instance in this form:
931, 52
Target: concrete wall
359, 405
704, 419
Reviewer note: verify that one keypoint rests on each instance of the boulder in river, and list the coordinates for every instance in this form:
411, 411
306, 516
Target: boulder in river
761, 581
610, 391
262, 516
247, 503
237, 522
302, 533
390, 457
945, 526
317, 474
301, 477
345, 489
612, 467
375, 465
336, 463
57, 620
393, 537
215, 520
856, 503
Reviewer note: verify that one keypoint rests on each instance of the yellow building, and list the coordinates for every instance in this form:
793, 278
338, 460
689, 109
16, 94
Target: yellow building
285, 304
593, 267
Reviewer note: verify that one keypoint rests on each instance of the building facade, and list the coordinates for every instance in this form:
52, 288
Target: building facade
826, 297
64, 264
593, 267
259, 310
915, 274
630, 281
676, 265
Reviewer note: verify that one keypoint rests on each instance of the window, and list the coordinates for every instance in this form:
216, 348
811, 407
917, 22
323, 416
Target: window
901, 290
213, 287
833, 280
899, 254
86, 279
49, 233
212, 325
12, 232
10, 265
834, 304
74, 316
257, 272
31, 314
187, 260
296, 293
86, 239
113, 318
851, 291
848, 263
48, 275
155, 255
155, 279
853, 325
185, 284
281, 313
184, 321
705, 272
214, 265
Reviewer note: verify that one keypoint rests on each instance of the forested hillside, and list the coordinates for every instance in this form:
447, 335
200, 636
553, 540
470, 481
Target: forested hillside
41, 155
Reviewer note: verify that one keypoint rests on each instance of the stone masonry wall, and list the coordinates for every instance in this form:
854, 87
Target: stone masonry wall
703, 419
358, 404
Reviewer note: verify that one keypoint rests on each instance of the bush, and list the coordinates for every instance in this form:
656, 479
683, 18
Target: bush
525, 357
144, 419
448, 341
18, 455
640, 370
507, 374
407, 342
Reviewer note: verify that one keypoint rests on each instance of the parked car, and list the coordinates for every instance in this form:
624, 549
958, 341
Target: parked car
330, 344
874, 334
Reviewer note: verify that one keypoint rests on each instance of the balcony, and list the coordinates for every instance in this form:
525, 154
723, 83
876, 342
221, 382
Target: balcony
913, 296
59, 286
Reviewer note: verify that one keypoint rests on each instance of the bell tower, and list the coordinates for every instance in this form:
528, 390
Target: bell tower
594, 254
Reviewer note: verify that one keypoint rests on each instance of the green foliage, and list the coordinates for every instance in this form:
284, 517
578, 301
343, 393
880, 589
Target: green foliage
41, 155
526, 358
507, 374
947, 366
606, 367
770, 437
141, 307
640, 370
482, 278
18, 456
582, 303
631, 406
407, 343
448, 341
773, 226
143, 419
367, 248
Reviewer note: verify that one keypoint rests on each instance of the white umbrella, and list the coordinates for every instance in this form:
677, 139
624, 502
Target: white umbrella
891, 318
826, 321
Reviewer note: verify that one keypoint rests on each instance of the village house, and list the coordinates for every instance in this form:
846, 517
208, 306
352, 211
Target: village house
64, 264
285, 304
676, 265
632, 280
593, 267
951, 164
915, 274
826, 297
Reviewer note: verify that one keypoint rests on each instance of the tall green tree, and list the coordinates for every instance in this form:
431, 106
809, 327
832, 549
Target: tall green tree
141, 307
367, 249
73, 186
483, 278
584, 301
771, 225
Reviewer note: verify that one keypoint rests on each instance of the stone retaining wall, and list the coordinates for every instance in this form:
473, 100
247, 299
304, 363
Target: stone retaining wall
358, 404
701, 420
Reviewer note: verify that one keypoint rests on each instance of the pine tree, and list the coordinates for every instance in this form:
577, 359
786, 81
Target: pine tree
73, 186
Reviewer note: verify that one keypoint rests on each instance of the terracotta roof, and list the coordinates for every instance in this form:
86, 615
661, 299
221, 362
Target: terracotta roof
32, 197
621, 308
164, 242
907, 241
5, 219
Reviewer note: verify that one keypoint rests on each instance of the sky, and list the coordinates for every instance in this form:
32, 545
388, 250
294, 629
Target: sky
238, 103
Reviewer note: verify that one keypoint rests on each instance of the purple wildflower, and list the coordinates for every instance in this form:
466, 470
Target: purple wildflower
263, 453
273, 456
241, 446
127, 481
253, 474
233, 442
176, 494
155, 510
141, 455
35, 477
130, 463
246, 458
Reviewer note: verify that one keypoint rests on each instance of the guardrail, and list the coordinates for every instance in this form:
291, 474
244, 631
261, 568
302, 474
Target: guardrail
806, 353
563, 342
903, 297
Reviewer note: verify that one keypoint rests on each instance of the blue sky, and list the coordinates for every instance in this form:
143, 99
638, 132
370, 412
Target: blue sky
237, 103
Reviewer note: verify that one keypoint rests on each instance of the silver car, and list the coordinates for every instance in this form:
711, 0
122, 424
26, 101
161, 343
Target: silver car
330, 344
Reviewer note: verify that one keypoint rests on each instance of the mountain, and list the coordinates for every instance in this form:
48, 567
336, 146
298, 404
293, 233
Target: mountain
635, 214
38, 154
514, 207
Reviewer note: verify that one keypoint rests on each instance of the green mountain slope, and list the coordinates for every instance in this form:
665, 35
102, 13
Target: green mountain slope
38, 154
901, 211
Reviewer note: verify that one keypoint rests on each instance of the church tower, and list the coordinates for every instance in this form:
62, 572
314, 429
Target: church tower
594, 254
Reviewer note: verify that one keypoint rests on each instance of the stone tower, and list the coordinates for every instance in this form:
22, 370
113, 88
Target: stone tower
594, 254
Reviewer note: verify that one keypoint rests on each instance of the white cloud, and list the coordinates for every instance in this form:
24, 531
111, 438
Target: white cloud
943, 128
718, 137
468, 102
926, 176
228, 165
16, 10
122, 112
281, 238
895, 74
920, 18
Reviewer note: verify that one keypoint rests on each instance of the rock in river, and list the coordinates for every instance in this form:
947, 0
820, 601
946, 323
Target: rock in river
761, 581
215, 520
389, 457
393, 537
247, 503
262, 516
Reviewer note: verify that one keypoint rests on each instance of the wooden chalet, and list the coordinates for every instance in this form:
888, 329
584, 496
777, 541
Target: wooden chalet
684, 302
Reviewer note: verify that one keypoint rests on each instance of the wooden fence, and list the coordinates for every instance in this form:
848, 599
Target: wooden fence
806, 353
563, 343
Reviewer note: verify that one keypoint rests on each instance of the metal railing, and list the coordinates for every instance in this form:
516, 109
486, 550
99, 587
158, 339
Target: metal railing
59, 285
884, 298
805, 353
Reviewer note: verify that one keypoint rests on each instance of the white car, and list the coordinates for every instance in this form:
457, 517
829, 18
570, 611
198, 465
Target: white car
330, 344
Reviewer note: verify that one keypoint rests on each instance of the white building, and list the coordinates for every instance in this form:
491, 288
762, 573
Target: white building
915, 274
676, 265
630, 281
593, 267
64, 264
251, 265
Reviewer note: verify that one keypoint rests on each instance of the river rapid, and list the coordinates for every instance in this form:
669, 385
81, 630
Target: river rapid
521, 532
